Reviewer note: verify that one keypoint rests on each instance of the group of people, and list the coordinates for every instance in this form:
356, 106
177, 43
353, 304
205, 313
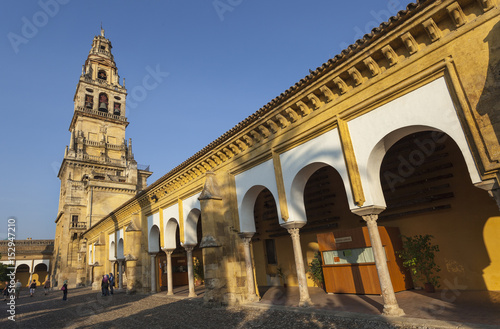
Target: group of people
18, 285
107, 284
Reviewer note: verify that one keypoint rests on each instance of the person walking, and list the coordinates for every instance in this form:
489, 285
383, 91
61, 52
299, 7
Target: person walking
46, 286
64, 289
6, 291
104, 285
32, 288
18, 288
111, 282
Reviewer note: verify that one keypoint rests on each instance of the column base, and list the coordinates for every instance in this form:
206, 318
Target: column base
393, 310
170, 293
192, 294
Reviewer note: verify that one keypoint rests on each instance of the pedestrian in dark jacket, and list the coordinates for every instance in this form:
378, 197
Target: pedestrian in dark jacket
32, 288
64, 289
105, 285
111, 283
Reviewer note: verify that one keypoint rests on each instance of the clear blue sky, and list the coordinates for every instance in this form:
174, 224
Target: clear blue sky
225, 59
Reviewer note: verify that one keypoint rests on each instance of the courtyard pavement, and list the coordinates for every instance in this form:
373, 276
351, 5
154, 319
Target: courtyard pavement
277, 309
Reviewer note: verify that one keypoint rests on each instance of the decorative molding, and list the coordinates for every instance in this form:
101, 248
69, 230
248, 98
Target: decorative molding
432, 30
355, 75
341, 85
390, 54
456, 14
278, 174
181, 220
316, 103
327, 92
351, 163
410, 43
303, 108
294, 117
372, 66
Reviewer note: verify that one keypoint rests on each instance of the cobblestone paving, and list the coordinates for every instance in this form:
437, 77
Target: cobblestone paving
87, 309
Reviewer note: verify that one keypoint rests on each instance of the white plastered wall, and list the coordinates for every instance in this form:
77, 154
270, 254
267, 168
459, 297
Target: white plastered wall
299, 163
112, 246
429, 107
41, 261
248, 186
190, 213
153, 220
171, 224
25, 262
120, 246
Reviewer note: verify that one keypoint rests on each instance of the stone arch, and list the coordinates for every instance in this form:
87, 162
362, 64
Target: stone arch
40, 273
112, 251
296, 204
171, 228
429, 107
154, 239
247, 222
425, 148
119, 249
427, 190
190, 226
23, 274
41, 267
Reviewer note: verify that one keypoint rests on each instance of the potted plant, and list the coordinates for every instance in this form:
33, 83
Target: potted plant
281, 275
315, 270
418, 256
198, 271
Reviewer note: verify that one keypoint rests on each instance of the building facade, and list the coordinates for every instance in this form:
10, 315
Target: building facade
398, 131
98, 172
32, 259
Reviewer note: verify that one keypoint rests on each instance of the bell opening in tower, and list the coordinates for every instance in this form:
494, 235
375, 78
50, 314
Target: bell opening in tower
103, 102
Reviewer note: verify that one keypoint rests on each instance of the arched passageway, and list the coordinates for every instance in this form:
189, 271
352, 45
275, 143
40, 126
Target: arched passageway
428, 190
40, 273
23, 274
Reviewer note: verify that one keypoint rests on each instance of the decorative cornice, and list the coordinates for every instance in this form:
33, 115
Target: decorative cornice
393, 42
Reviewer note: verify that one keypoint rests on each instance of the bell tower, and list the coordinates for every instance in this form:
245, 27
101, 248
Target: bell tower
98, 172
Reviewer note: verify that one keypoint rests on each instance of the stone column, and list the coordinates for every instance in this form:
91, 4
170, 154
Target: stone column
293, 229
170, 286
120, 274
153, 272
247, 240
391, 307
189, 256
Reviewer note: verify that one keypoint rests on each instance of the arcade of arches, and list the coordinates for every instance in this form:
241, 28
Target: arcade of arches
397, 137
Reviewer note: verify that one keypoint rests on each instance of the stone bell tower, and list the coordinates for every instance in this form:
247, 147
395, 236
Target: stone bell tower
98, 172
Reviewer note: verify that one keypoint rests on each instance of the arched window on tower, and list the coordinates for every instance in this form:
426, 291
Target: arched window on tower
116, 109
102, 75
89, 101
103, 102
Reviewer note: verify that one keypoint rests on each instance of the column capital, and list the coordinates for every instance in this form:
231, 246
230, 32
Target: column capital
294, 232
168, 251
290, 224
369, 219
246, 237
188, 247
370, 210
